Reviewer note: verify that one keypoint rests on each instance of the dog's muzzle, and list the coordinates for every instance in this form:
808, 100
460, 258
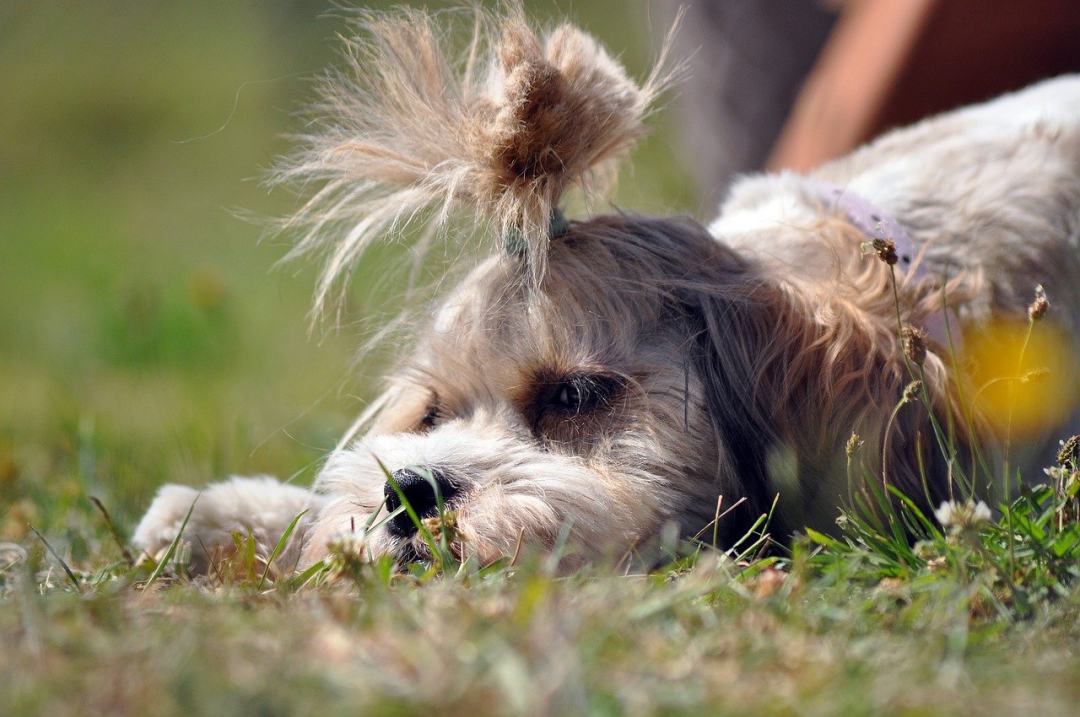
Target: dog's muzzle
421, 495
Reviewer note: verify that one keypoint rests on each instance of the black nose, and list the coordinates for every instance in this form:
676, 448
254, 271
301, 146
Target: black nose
421, 496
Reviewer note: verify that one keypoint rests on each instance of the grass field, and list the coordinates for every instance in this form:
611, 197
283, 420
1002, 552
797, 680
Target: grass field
145, 337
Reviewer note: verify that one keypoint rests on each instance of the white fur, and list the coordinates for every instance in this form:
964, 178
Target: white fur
258, 506
993, 187
993, 190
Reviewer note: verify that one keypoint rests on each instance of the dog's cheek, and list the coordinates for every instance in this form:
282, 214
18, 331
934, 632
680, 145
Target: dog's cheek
492, 524
353, 472
681, 465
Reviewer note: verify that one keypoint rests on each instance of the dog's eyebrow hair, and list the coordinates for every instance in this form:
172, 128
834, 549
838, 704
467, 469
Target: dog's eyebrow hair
423, 379
549, 375
527, 397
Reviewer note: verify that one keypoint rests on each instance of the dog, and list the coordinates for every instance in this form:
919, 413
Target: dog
596, 382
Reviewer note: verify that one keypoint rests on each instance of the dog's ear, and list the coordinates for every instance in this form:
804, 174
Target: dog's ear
411, 130
733, 334
786, 371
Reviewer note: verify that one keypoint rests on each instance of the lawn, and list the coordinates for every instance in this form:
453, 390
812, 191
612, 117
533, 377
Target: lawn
147, 336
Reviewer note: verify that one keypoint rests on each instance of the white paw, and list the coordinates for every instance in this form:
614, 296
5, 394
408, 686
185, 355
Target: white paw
260, 506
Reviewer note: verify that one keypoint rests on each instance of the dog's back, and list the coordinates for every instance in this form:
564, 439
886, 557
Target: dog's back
988, 196
993, 188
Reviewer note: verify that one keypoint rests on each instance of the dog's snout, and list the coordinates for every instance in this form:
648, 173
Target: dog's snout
420, 494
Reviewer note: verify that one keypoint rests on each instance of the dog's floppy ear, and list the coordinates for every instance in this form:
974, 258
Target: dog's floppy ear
408, 131
776, 376
733, 333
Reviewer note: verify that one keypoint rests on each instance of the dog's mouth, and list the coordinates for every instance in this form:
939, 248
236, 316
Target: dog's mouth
417, 551
409, 553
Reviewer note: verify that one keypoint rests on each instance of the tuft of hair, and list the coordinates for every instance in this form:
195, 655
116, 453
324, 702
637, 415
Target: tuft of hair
409, 131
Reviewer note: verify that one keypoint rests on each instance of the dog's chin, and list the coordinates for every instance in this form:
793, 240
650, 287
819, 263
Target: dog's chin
380, 544
415, 549
409, 552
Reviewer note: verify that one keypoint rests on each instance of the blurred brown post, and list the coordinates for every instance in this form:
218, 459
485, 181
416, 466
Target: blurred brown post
891, 62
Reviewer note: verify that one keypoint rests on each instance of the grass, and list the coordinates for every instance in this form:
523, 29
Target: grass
861, 624
150, 341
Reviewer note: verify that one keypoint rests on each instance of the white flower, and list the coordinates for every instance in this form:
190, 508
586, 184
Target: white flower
953, 514
346, 543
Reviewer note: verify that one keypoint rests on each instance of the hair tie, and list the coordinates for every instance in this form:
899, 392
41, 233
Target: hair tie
514, 240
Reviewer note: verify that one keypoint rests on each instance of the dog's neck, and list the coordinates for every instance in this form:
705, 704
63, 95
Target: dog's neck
878, 225
817, 232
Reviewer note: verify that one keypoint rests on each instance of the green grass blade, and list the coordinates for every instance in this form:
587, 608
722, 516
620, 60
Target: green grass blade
111, 527
172, 547
309, 574
70, 574
282, 541
822, 539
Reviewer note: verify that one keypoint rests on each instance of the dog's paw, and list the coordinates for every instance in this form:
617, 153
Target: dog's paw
259, 507
161, 523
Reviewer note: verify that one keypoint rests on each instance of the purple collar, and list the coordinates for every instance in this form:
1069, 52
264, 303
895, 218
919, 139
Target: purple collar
870, 220
876, 224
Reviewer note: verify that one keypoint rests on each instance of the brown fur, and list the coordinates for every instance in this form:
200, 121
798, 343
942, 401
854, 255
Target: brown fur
629, 373
726, 365
406, 132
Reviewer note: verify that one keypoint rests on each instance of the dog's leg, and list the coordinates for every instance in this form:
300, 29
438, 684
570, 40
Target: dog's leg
260, 506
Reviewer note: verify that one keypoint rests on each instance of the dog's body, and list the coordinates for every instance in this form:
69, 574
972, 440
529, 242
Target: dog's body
990, 189
649, 367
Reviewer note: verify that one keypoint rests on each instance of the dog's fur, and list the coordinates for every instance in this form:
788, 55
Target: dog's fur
624, 373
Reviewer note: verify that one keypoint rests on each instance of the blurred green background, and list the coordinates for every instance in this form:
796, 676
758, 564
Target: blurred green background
145, 335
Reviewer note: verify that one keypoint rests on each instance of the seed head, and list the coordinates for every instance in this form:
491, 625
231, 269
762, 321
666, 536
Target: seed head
1070, 452
925, 550
889, 585
854, 443
346, 543
886, 250
441, 526
911, 391
914, 341
937, 565
1038, 308
767, 582
347, 554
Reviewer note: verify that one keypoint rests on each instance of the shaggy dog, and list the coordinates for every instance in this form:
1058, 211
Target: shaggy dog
594, 381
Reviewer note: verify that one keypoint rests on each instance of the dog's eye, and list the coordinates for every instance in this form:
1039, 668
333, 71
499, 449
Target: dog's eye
574, 407
580, 394
431, 417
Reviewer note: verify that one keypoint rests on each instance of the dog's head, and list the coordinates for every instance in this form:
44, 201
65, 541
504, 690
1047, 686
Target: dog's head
595, 379
605, 401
